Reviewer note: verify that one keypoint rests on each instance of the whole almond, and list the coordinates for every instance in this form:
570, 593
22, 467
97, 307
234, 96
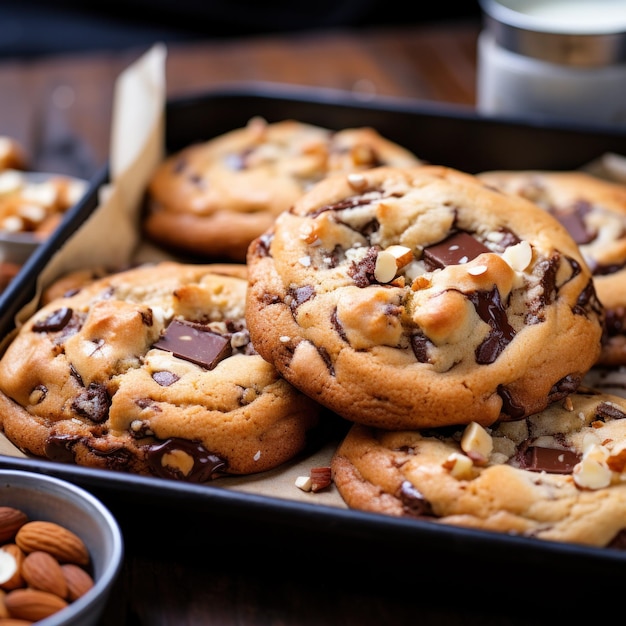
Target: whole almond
11, 520
32, 604
4, 612
79, 582
60, 542
42, 571
16, 579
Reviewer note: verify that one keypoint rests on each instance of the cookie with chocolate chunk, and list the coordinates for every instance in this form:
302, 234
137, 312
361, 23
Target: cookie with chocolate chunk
594, 212
210, 199
557, 475
151, 371
419, 297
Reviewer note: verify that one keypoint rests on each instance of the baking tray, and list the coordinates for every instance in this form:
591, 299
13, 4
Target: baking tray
277, 526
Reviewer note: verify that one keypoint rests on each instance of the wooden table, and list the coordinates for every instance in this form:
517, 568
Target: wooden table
60, 109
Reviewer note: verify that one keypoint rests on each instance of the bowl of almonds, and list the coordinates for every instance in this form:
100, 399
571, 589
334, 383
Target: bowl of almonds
61, 551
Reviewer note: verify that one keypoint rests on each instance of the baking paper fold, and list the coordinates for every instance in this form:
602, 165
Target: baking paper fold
111, 235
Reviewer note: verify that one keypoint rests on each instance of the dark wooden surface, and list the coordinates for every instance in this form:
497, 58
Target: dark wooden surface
60, 109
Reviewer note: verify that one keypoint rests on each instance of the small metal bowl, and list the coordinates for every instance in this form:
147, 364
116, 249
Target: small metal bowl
51, 499
16, 247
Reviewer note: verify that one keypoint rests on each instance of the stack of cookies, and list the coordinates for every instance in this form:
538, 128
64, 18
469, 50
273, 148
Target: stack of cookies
448, 321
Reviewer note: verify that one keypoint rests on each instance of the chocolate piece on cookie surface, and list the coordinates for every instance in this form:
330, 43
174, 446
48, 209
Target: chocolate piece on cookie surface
212, 198
556, 475
151, 371
419, 297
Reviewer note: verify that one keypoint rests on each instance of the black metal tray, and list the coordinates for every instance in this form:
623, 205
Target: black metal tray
150, 509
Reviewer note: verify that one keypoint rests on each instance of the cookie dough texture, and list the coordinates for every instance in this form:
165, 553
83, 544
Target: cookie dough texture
212, 198
594, 212
556, 475
151, 371
488, 312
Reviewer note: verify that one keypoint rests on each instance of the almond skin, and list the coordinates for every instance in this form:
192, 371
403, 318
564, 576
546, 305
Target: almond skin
32, 604
4, 612
60, 542
79, 582
42, 571
11, 520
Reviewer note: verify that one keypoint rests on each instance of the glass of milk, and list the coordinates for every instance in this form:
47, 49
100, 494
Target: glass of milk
561, 60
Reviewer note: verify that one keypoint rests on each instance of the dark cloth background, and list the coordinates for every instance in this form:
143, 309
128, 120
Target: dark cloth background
31, 28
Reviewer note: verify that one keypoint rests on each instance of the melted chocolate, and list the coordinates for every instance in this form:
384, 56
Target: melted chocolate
347, 203
491, 310
195, 343
206, 466
511, 410
363, 272
413, 501
55, 321
60, 448
420, 344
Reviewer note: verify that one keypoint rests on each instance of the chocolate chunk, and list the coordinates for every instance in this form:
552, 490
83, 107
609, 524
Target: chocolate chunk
93, 403
420, 344
491, 310
551, 460
413, 501
60, 448
564, 387
206, 466
616, 321
573, 220
456, 249
605, 410
301, 295
165, 378
363, 272
54, 322
195, 343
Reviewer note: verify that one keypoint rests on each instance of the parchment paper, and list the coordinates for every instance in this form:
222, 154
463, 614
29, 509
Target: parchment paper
111, 238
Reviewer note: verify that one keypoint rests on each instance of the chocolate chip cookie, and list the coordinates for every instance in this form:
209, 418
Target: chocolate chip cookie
557, 475
151, 371
419, 297
594, 212
212, 198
